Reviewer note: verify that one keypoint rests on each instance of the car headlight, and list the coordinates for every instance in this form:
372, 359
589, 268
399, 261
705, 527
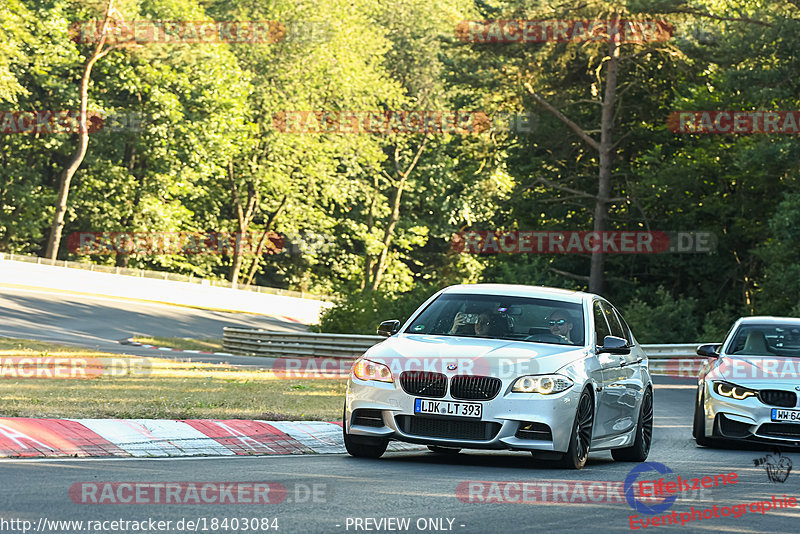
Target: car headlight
733, 391
544, 384
369, 370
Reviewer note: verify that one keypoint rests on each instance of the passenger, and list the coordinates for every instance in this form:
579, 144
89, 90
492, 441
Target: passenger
481, 328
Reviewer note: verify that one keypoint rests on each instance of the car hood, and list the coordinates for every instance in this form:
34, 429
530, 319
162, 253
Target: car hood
472, 356
757, 371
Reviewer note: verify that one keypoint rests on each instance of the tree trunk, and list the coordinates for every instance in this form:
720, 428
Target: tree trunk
244, 215
127, 221
606, 158
605, 149
388, 233
54, 241
272, 218
366, 282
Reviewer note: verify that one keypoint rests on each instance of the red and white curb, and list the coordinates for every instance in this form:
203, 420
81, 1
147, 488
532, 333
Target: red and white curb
132, 343
22, 437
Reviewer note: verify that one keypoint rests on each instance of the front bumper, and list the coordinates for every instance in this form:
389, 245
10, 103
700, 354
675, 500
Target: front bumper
498, 428
748, 419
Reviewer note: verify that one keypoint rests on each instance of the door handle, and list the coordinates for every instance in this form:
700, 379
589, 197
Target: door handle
637, 362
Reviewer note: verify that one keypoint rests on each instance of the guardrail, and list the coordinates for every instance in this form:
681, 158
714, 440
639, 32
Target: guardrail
684, 358
158, 275
250, 341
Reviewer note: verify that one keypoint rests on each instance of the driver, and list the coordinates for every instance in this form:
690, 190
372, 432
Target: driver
560, 325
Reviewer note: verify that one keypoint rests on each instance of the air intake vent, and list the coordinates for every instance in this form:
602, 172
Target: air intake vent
447, 428
730, 428
367, 418
779, 430
539, 431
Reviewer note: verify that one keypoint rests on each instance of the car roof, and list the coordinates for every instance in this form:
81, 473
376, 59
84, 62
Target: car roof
768, 319
519, 290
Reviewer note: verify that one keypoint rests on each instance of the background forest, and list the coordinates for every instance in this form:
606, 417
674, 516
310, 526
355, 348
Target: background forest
368, 219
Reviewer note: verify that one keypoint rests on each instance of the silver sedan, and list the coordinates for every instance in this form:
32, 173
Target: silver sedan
554, 372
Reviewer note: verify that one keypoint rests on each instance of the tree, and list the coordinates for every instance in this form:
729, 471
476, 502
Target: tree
112, 15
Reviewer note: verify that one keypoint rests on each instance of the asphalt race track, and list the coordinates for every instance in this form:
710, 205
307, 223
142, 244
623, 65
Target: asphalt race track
99, 323
329, 493
401, 492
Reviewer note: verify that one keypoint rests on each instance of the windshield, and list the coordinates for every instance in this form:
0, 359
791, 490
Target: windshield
499, 317
766, 340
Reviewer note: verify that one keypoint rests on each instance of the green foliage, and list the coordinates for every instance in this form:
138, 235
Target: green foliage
210, 146
779, 293
362, 312
663, 320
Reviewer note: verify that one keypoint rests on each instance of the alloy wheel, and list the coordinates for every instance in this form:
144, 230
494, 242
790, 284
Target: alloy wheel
647, 422
585, 422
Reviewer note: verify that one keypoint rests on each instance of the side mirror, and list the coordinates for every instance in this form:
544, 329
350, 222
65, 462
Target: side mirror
389, 328
614, 345
708, 351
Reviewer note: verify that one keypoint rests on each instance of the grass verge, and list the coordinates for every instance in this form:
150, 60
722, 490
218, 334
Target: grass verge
169, 390
183, 343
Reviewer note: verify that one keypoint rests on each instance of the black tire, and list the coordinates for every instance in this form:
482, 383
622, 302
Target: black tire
644, 434
698, 426
581, 437
444, 450
362, 447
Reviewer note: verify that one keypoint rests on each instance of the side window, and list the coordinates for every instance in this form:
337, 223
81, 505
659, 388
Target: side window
613, 321
628, 335
601, 329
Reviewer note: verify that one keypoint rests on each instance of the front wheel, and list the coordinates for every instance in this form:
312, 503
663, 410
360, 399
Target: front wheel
699, 423
644, 434
362, 446
581, 438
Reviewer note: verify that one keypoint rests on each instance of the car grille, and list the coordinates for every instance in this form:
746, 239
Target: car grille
538, 431
423, 383
780, 430
474, 387
367, 418
777, 397
434, 427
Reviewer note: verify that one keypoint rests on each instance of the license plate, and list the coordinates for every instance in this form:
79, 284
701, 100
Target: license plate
785, 415
458, 409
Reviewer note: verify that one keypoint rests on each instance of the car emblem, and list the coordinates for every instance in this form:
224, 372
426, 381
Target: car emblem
451, 367
797, 388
